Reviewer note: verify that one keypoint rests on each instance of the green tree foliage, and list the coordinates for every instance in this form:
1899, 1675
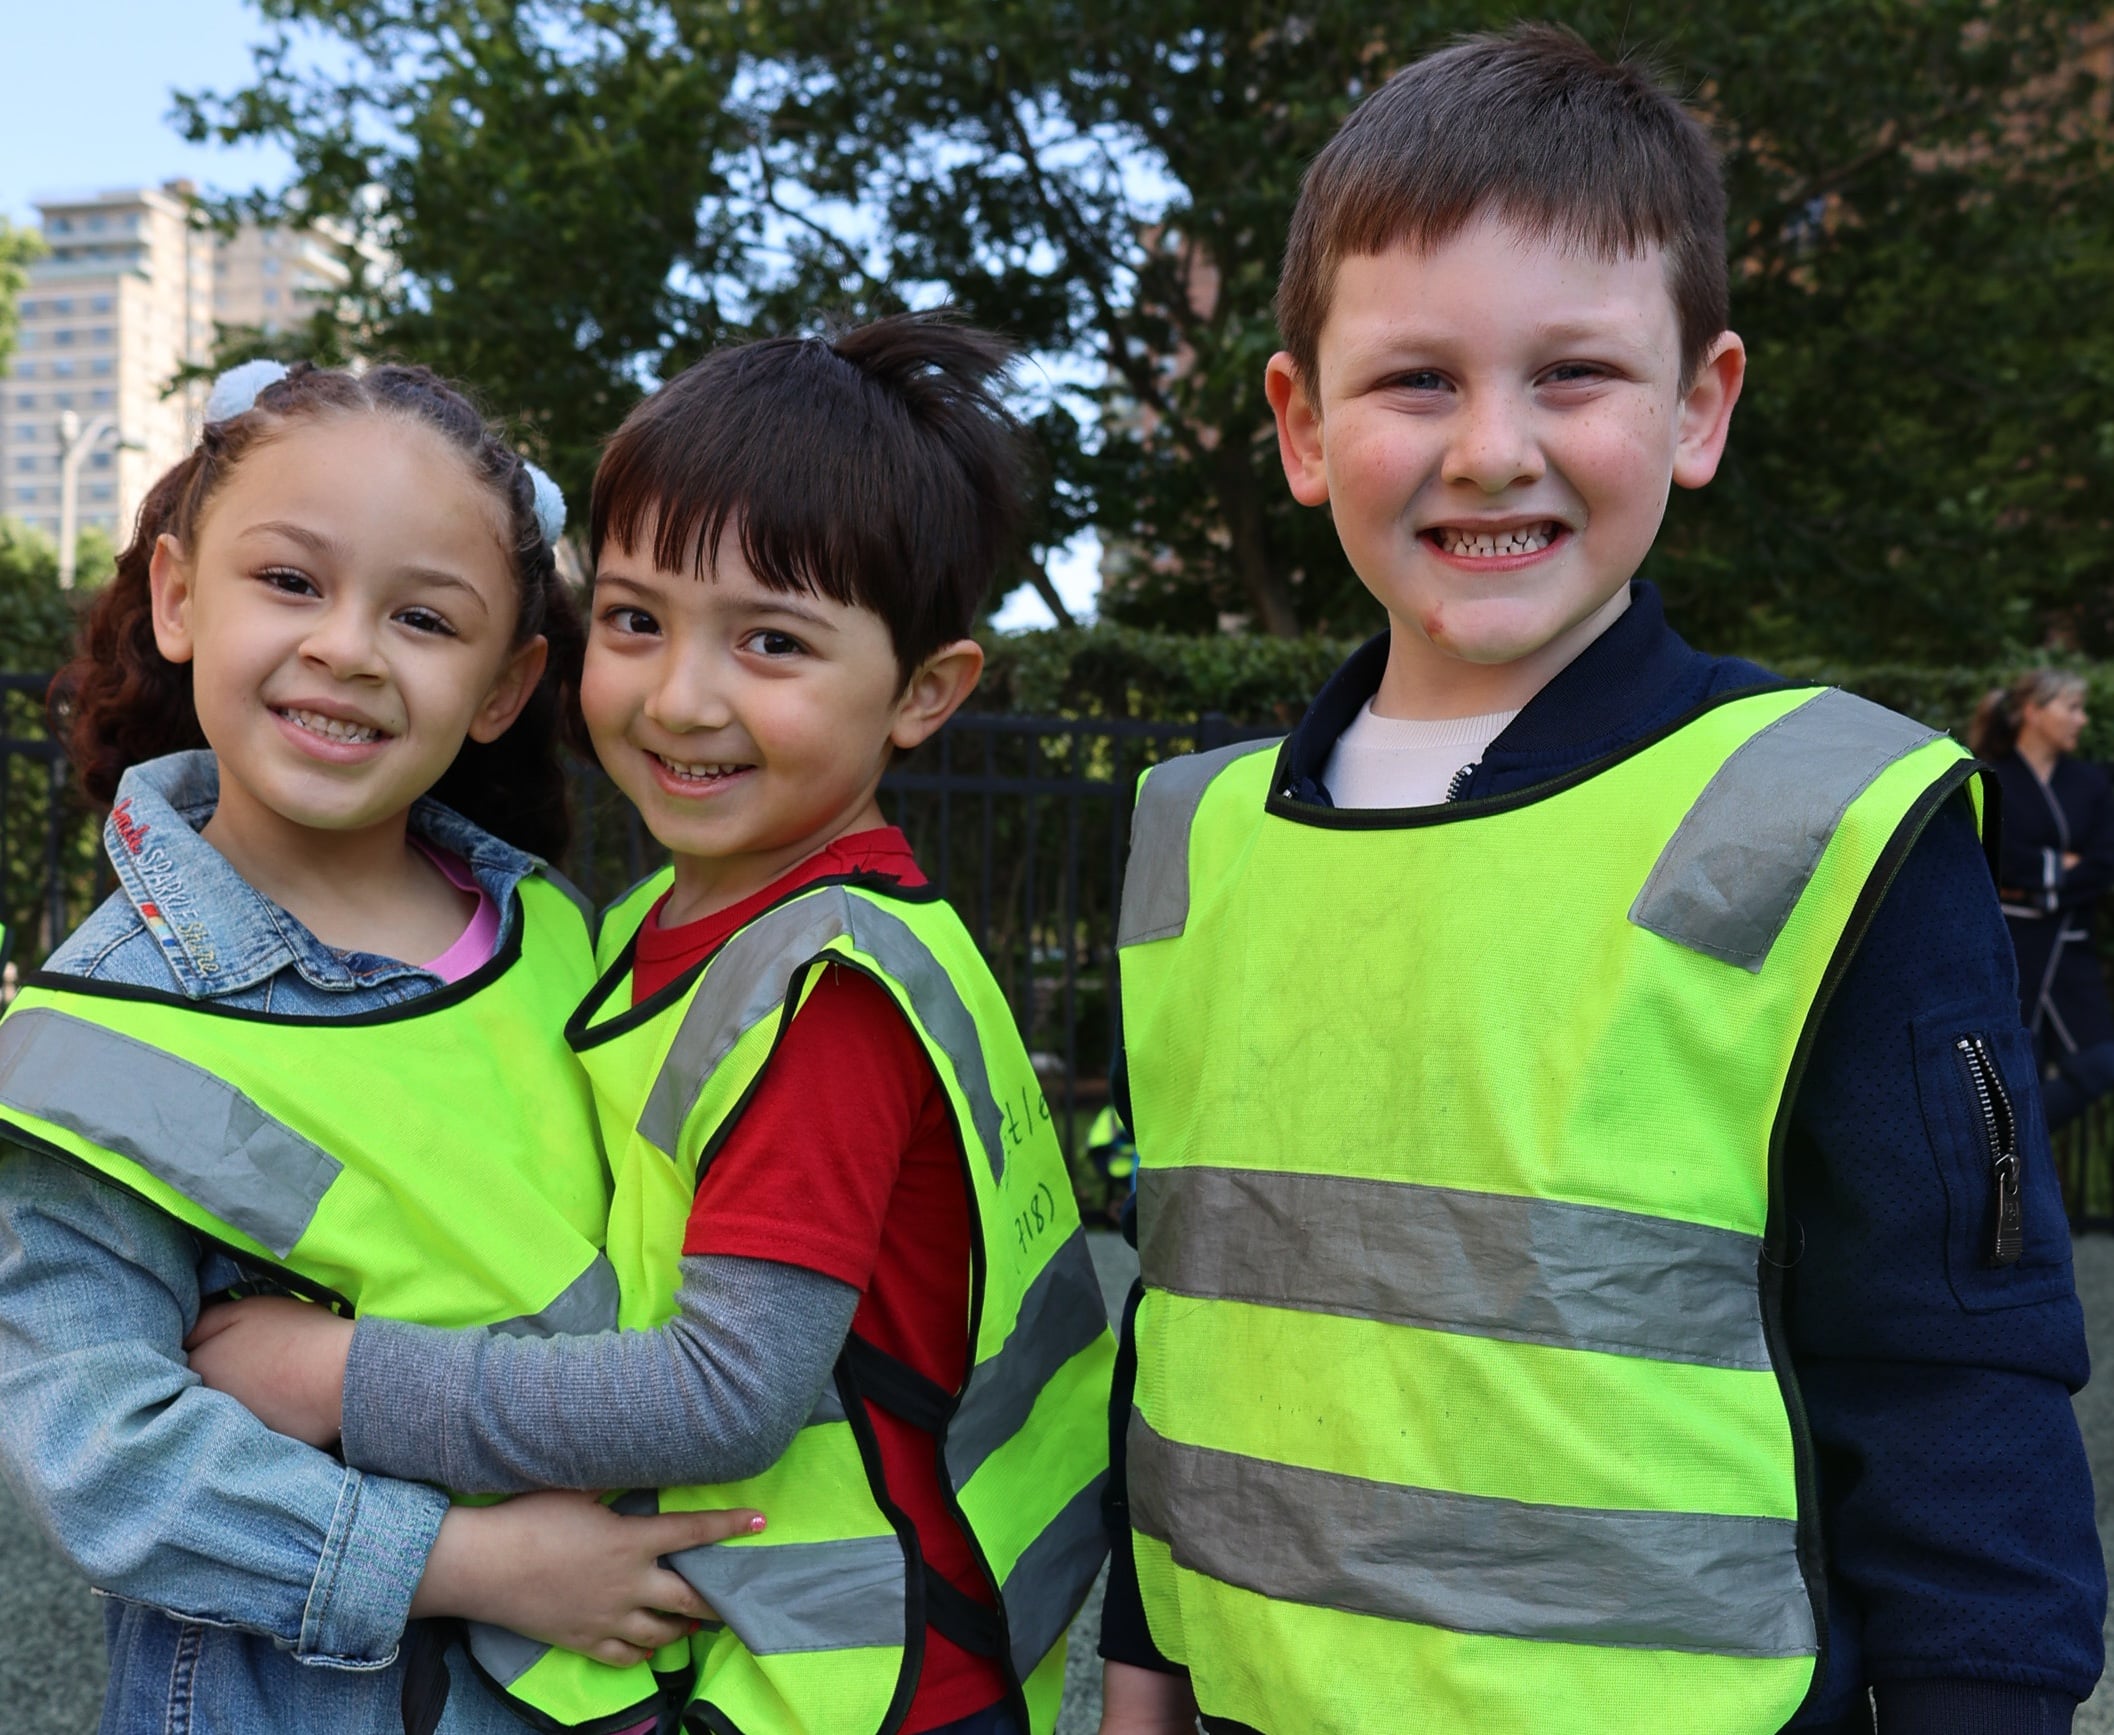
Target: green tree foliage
17, 248
51, 872
585, 194
36, 616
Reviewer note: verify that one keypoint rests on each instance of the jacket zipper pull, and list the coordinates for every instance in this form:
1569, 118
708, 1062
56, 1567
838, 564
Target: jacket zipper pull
2000, 1127
2011, 1236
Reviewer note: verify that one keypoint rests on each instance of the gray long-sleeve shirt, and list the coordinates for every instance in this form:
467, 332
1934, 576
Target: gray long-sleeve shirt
714, 1395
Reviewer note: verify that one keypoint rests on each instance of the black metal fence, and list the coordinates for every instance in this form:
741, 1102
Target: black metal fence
1022, 823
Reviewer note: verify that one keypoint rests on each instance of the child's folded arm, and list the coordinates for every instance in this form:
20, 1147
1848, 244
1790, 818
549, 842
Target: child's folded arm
1956, 1497
714, 1395
784, 1235
142, 1476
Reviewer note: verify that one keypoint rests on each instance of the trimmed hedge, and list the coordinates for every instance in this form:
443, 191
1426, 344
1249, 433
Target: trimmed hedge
1118, 671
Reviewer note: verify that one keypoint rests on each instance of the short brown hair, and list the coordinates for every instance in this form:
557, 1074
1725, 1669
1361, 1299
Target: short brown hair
878, 469
119, 701
1534, 125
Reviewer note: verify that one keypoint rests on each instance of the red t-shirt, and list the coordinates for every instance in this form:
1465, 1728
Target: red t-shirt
846, 1163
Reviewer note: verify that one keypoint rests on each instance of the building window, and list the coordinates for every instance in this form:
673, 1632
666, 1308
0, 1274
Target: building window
271, 268
271, 298
25, 430
63, 338
96, 225
99, 461
62, 225
25, 400
100, 491
101, 304
29, 309
102, 397
62, 370
61, 308
101, 365
25, 370
25, 496
27, 464
62, 400
102, 334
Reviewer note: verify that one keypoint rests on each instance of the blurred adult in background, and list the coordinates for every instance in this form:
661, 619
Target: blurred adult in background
2057, 858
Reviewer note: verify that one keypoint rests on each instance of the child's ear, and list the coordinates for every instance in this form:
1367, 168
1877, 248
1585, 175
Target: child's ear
169, 596
1298, 430
935, 691
1706, 411
516, 684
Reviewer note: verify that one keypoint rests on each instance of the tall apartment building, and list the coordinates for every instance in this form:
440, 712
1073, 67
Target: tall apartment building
129, 292
272, 278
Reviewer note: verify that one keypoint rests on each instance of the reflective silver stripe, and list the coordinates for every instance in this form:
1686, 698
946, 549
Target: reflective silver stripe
1482, 1264
1658, 1581
804, 1596
748, 981
1049, 1582
588, 1305
1730, 876
1061, 1313
1156, 882
505, 1656
184, 1126
940, 1009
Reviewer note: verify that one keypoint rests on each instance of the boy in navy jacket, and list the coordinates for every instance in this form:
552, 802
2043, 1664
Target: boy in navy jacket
1504, 312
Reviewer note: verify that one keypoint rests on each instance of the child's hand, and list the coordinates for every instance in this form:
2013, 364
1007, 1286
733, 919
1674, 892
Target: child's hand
1137, 1701
563, 1568
282, 1360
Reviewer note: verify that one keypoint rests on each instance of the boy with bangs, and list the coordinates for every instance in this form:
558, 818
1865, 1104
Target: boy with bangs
1602, 1265
856, 1293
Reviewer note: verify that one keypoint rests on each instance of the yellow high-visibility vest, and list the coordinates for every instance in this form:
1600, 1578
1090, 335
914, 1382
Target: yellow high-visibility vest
825, 1613
436, 1161
1461, 1399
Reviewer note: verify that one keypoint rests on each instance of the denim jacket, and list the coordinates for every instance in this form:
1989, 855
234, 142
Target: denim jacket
254, 1584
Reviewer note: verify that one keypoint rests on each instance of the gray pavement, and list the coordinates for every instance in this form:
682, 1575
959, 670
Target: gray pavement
51, 1637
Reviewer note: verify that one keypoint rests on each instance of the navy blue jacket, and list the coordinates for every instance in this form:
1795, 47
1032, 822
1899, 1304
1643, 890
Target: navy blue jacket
1965, 1582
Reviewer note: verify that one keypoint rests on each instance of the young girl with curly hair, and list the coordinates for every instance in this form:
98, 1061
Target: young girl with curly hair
312, 1044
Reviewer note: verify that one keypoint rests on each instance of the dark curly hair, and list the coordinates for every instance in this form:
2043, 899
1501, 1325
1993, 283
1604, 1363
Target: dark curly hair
120, 701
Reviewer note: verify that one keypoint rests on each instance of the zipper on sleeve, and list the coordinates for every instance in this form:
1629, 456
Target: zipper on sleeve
2000, 1127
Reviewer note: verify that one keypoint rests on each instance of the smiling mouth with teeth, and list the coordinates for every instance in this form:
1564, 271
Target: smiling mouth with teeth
331, 728
686, 771
1495, 544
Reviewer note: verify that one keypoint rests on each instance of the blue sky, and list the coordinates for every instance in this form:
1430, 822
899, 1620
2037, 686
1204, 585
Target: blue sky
52, 142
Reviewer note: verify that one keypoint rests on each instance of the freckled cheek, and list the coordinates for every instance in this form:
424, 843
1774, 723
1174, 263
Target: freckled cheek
1376, 465
1613, 465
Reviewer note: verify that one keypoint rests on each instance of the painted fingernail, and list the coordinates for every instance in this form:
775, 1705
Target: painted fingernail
755, 1524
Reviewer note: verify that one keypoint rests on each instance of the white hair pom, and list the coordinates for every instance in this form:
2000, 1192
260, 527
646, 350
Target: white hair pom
550, 504
237, 389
